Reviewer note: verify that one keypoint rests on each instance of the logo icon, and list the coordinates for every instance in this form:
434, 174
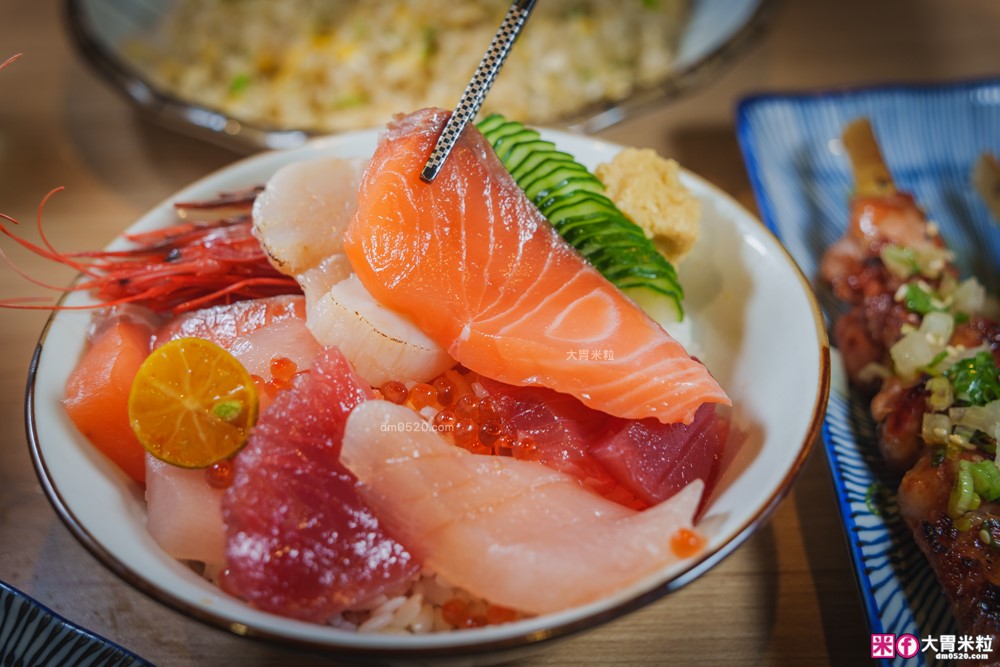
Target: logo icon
907, 646
884, 646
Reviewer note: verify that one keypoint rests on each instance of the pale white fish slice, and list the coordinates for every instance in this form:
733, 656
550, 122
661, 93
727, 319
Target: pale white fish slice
513, 532
184, 513
381, 344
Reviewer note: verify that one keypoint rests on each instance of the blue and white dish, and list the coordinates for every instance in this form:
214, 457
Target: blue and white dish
931, 136
31, 634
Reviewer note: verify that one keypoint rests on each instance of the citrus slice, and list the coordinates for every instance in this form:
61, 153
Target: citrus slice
192, 403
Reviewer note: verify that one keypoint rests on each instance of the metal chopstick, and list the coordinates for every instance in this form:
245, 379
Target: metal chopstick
475, 92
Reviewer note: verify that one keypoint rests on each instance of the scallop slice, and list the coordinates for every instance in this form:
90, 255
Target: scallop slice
381, 344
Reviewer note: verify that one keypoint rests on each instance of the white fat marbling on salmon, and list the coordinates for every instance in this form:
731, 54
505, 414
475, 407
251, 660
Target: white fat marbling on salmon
471, 261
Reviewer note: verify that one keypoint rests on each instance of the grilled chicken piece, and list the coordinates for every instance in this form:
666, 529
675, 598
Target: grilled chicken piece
966, 562
966, 565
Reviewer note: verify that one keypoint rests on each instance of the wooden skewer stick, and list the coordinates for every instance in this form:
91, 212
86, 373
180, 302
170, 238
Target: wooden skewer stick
871, 175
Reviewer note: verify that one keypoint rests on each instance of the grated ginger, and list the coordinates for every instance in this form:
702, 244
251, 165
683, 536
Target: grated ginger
647, 188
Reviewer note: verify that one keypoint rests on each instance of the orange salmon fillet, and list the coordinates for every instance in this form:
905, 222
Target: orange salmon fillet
480, 270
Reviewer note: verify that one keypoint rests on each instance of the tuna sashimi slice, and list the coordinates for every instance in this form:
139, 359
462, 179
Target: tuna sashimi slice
515, 532
654, 461
477, 267
300, 541
562, 430
634, 462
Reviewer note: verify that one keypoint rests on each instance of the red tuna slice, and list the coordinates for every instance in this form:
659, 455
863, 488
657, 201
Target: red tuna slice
637, 463
300, 542
562, 429
654, 461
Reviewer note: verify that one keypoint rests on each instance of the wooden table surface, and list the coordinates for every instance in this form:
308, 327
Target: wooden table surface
786, 596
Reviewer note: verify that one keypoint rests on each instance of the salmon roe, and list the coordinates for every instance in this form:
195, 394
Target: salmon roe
422, 395
445, 391
394, 391
457, 613
220, 475
444, 421
686, 543
468, 421
466, 431
283, 369
467, 407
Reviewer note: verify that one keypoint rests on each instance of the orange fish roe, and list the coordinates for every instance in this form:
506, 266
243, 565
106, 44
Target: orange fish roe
394, 392
686, 543
283, 369
265, 390
466, 432
445, 391
422, 395
457, 613
526, 449
467, 407
463, 418
486, 409
489, 431
219, 475
444, 421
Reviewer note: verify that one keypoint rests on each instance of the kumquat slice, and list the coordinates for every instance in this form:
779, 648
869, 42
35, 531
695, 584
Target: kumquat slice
192, 403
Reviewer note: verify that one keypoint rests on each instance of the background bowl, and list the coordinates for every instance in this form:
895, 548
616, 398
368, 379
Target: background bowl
755, 323
714, 33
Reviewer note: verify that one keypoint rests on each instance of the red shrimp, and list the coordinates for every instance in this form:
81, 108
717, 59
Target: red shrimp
190, 265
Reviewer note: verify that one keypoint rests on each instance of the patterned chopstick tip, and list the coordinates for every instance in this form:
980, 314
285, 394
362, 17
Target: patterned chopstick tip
475, 92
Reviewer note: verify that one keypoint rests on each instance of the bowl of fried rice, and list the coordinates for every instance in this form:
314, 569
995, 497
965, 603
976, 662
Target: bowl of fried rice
257, 74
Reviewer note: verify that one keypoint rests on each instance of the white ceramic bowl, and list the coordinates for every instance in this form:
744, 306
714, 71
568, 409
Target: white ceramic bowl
757, 327
715, 33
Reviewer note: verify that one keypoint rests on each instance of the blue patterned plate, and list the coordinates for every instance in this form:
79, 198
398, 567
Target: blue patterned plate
931, 137
31, 634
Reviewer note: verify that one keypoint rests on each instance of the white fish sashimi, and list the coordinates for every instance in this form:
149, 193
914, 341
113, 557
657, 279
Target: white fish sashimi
184, 513
516, 533
299, 219
380, 344
288, 339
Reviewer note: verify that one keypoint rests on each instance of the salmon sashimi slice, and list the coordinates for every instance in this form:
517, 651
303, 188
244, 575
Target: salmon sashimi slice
300, 541
516, 533
474, 264
97, 391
